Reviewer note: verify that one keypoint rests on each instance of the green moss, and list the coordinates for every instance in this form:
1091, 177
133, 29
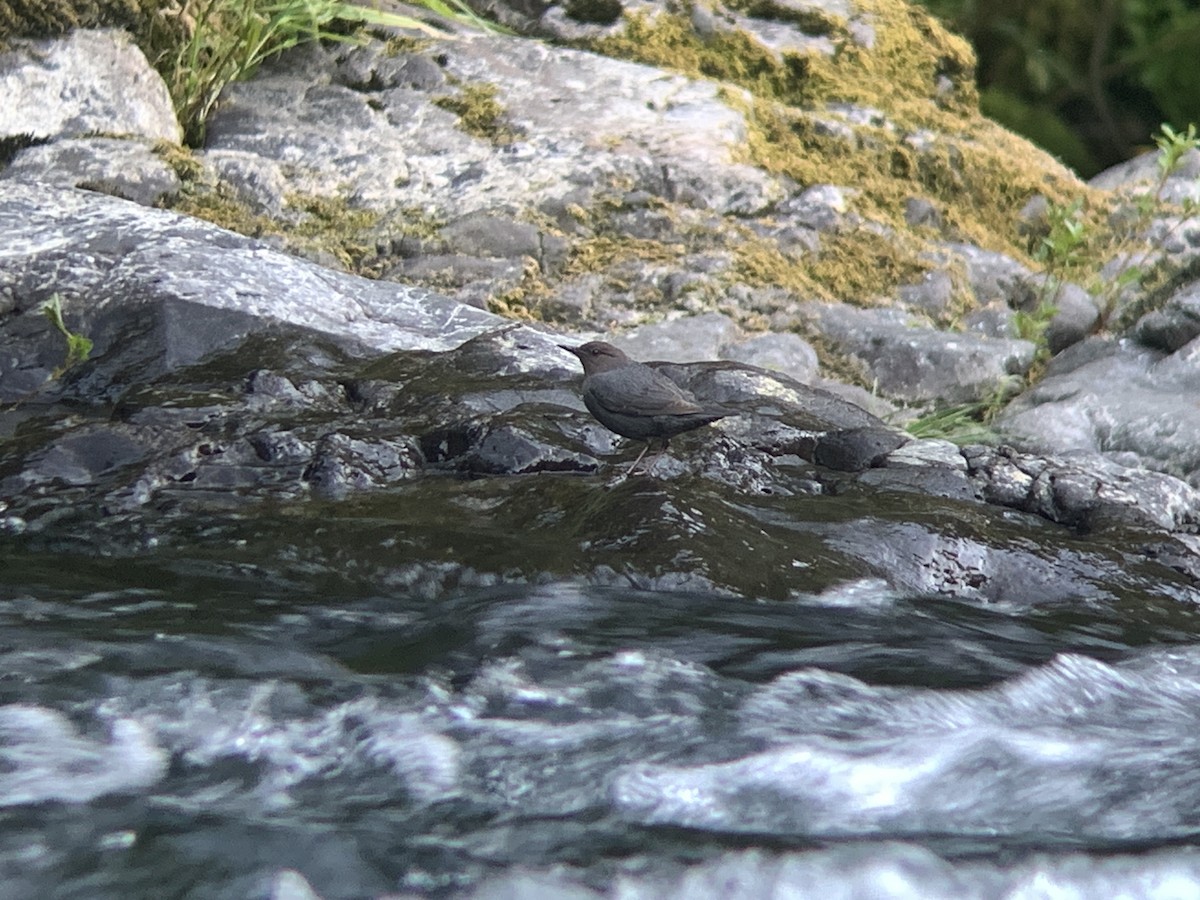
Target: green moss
49, 18
603, 251
218, 204
332, 225
180, 159
313, 226
402, 45
523, 301
859, 267
929, 142
408, 221
480, 113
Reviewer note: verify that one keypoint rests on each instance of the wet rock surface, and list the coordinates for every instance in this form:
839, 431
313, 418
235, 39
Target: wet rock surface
324, 585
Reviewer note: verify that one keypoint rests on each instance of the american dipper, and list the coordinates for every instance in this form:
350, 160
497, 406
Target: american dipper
635, 401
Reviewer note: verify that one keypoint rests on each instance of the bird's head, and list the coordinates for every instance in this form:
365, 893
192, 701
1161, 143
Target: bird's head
597, 356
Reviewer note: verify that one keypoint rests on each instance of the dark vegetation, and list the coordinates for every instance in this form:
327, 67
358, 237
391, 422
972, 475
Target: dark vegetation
1087, 80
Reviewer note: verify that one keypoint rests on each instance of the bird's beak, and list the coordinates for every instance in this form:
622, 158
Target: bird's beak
569, 349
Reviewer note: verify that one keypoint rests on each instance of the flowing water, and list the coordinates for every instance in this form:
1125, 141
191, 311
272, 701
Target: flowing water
318, 699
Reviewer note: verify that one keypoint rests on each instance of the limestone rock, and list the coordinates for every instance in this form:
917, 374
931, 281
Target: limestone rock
87, 82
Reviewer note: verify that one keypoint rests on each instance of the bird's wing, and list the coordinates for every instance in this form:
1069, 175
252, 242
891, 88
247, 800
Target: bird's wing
641, 392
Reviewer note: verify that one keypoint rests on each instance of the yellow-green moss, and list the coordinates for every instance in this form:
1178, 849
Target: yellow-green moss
408, 221
603, 252
333, 225
911, 53
480, 113
314, 225
859, 267
219, 205
180, 159
669, 41
49, 18
931, 141
977, 174
402, 45
523, 300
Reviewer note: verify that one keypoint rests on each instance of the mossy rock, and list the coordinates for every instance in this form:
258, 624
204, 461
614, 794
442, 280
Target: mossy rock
806, 121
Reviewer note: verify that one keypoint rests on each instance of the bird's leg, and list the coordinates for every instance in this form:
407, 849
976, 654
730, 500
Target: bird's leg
629, 471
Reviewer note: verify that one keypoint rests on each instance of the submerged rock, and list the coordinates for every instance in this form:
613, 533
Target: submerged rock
511, 173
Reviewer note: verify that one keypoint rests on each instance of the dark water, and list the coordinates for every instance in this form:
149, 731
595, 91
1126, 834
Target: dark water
316, 697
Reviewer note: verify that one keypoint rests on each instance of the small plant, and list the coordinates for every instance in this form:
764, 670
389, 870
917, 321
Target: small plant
221, 41
1075, 246
1063, 245
966, 423
963, 423
480, 113
1063, 253
1172, 147
1073, 249
79, 348
1031, 325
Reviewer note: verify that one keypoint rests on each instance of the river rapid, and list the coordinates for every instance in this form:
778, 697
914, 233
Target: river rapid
414, 695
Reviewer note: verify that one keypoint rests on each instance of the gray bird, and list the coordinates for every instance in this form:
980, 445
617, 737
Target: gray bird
635, 401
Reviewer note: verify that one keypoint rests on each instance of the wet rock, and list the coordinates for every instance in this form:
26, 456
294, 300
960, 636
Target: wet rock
1088, 494
341, 464
930, 481
509, 448
81, 457
853, 449
225, 373
163, 291
932, 467
929, 452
